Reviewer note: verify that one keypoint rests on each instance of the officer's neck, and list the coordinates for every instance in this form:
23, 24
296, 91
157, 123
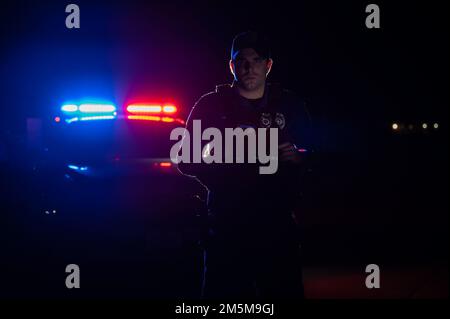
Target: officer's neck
253, 94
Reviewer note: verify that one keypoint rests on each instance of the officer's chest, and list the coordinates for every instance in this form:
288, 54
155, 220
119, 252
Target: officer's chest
251, 116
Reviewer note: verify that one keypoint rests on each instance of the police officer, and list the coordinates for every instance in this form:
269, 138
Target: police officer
252, 247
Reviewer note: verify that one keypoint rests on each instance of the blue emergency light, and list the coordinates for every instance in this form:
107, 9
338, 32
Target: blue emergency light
89, 112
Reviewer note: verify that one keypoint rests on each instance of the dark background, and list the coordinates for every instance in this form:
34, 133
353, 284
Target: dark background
377, 196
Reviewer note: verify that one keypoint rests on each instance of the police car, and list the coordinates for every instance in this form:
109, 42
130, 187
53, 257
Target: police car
105, 192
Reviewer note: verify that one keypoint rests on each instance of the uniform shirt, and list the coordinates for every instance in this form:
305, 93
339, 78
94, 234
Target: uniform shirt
238, 194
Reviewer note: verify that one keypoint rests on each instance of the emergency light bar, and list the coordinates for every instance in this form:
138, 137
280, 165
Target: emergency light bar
97, 108
100, 111
169, 109
155, 118
69, 108
88, 112
88, 108
146, 109
98, 117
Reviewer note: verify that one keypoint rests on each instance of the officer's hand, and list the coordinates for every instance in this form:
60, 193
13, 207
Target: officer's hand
287, 152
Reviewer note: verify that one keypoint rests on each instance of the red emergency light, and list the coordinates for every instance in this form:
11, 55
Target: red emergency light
143, 109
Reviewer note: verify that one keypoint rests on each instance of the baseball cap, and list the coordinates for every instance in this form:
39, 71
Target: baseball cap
251, 39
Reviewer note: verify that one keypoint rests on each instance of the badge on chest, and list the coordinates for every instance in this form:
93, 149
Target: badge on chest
269, 119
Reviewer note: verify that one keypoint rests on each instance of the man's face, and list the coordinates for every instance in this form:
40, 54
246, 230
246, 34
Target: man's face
250, 70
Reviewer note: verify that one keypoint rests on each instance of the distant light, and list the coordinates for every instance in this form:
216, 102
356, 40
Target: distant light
169, 109
69, 108
410, 126
57, 119
395, 126
97, 108
424, 126
144, 108
302, 150
436, 125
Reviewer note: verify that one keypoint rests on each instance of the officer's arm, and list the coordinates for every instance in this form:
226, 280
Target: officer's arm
185, 156
204, 111
213, 174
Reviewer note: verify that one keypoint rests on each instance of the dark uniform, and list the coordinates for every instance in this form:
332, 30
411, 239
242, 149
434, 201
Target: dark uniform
252, 246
